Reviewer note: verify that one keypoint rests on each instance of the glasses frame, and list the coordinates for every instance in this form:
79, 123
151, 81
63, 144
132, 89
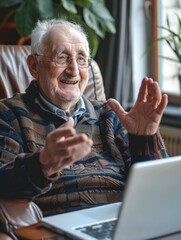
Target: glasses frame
54, 60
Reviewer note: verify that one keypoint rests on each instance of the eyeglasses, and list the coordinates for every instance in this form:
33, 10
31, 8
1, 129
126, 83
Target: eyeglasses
64, 60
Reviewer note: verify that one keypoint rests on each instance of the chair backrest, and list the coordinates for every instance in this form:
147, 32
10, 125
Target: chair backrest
15, 75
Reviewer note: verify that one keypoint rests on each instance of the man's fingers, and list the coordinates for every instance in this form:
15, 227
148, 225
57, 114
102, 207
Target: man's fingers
65, 130
69, 123
70, 154
162, 104
73, 140
64, 152
154, 94
143, 90
76, 153
149, 92
59, 134
116, 107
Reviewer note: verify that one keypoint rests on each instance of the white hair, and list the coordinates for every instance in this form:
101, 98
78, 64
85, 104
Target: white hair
42, 28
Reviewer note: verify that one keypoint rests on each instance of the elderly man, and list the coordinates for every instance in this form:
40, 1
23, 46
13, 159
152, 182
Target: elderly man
58, 148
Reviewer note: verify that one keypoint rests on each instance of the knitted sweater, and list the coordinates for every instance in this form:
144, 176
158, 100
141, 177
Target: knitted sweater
97, 179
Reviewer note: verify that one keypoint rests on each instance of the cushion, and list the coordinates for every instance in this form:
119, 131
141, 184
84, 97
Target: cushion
17, 213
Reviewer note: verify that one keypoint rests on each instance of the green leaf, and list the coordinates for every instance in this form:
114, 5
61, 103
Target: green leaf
45, 8
69, 5
59, 12
167, 21
9, 3
170, 31
98, 18
100, 11
173, 39
83, 3
29, 12
179, 23
92, 39
91, 35
109, 26
93, 22
64, 14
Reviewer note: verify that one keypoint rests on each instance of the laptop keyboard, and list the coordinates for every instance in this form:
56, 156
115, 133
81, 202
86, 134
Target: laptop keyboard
100, 231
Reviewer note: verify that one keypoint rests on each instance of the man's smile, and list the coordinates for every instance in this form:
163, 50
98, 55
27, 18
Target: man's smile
68, 82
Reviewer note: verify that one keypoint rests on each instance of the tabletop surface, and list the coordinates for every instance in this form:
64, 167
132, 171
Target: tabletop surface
39, 232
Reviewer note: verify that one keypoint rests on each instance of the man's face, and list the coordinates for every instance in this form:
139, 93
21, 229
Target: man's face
63, 86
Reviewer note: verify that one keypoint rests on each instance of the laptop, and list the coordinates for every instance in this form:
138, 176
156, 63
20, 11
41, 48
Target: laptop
151, 207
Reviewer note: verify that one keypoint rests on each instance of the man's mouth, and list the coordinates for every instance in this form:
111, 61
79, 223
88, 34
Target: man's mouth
69, 82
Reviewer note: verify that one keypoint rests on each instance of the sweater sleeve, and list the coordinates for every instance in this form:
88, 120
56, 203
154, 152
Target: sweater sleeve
23, 178
20, 171
144, 148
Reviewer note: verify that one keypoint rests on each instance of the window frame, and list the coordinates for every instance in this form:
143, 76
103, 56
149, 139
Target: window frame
154, 68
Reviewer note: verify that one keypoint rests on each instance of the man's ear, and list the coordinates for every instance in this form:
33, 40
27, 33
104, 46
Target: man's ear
33, 66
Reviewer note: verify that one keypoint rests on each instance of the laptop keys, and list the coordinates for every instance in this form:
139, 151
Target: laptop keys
100, 231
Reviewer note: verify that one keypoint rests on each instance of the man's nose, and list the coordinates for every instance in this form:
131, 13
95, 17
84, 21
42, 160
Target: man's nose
73, 67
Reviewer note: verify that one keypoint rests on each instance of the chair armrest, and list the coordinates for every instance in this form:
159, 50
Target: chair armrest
17, 213
4, 236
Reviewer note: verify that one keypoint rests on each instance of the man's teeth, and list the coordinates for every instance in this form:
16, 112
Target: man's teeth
69, 82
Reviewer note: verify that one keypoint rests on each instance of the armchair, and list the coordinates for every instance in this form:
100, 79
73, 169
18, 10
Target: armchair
15, 77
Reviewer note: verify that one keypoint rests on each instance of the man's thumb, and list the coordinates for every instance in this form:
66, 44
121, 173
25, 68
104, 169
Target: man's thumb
116, 107
69, 123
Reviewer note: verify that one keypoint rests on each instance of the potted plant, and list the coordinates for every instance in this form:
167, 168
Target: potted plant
91, 14
173, 39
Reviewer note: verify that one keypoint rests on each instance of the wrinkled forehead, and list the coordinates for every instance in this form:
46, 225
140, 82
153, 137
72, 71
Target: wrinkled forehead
62, 37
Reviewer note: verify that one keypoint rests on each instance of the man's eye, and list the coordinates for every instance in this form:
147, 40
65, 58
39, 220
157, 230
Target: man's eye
62, 58
81, 59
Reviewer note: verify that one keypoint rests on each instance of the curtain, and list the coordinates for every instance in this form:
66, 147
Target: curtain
114, 54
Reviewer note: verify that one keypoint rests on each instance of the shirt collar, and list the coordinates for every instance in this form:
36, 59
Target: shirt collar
58, 111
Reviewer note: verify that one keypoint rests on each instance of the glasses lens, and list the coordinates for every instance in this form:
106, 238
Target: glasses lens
83, 61
64, 60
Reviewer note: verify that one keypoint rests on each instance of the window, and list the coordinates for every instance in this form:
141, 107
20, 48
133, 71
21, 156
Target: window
168, 67
146, 17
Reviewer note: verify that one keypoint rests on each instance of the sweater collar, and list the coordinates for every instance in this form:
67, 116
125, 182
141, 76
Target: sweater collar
33, 92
